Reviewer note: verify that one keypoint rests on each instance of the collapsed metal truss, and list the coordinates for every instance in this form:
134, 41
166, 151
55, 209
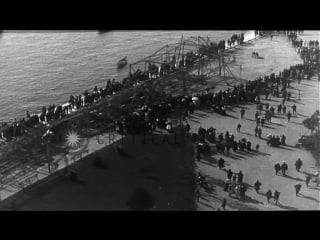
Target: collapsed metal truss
216, 65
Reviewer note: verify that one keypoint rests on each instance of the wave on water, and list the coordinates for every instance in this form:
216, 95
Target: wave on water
40, 68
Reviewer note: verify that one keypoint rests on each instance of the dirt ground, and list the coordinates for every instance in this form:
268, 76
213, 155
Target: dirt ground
277, 54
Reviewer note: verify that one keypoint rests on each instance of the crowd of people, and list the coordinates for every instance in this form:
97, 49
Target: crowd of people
54, 112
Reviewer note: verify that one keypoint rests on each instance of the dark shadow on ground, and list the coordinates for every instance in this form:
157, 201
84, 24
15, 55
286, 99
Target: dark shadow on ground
301, 115
248, 199
297, 123
315, 188
281, 147
293, 178
228, 115
278, 124
236, 157
296, 101
307, 173
207, 163
287, 207
207, 205
310, 198
265, 126
194, 121
279, 116
200, 115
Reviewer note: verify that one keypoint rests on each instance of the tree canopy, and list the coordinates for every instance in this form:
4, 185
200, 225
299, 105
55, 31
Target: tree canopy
312, 122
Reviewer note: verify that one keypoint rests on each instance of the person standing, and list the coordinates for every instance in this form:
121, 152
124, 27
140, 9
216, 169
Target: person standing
224, 204
294, 109
221, 162
276, 196
259, 132
279, 108
297, 188
298, 164
257, 185
238, 127
269, 195
284, 168
257, 147
308, 178
240, 177
229, 174
277, 167
256, 130
284, 109
242, 111
289, 115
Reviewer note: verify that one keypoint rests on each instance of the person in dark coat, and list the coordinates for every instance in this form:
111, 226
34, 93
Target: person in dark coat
224, 203
234, 177
289, 115
308, 178
257, 147
259, 132
242, 111
276, 196
284, 168
221, 162
257, 185
269, 195
229, 174
238, 127
256, 131
294, 109
240, 177
284, 109
243, 190
277, 168
248, 146
298, 164
297, 188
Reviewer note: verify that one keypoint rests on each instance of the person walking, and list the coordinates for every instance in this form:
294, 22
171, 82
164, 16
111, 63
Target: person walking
279, 108
298, 164
276, 196
257, 186
294, 109
238, 127
224, 204
256, 130
297, 188
284, 109
229, 174
240, 177
257, 147
221, 162
289, 115
269, 195
284, 168
259, 132
308, 178
277, 167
